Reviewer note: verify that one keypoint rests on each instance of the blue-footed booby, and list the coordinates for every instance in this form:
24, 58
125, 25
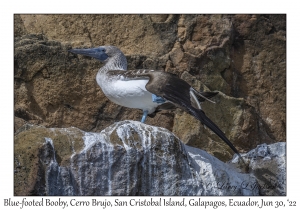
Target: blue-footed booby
148, 90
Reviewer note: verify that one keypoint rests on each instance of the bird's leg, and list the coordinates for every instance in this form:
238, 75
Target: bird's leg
145, 113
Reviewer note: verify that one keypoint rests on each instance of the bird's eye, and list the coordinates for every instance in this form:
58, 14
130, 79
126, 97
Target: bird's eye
102, 50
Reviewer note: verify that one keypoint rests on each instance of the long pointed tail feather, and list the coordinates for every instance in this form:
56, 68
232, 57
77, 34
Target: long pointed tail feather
202, 96
200, 115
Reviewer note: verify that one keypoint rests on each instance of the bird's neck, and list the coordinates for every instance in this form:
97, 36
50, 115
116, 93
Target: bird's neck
118, 62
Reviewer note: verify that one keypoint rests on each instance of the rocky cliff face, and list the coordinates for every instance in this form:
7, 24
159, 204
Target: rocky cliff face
132, 158
242, 56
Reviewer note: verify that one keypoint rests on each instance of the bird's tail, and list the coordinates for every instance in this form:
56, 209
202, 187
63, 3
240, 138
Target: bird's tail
201, 116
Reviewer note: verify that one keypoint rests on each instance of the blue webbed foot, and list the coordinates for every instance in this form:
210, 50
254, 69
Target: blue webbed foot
157, 99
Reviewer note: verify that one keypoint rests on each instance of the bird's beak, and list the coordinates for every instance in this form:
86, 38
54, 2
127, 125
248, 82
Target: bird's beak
91, 52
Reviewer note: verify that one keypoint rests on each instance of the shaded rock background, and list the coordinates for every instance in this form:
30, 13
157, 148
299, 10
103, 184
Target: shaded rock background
127, 158
242, 56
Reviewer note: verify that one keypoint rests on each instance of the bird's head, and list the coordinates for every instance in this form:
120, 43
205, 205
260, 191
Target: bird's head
102, 53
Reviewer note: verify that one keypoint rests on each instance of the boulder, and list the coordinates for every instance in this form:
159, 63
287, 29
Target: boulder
126, 158
267, 163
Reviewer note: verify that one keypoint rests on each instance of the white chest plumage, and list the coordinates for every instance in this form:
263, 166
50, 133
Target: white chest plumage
128, 93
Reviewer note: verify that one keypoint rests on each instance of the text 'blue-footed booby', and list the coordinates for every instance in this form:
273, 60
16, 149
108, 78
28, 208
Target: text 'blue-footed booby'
148, 90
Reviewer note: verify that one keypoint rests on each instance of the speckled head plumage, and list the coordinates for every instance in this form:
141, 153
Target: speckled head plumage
111, 51
116, 59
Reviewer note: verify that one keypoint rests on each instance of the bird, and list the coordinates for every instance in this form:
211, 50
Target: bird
147, 89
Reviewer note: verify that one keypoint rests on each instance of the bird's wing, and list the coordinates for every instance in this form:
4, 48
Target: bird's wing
180, 92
